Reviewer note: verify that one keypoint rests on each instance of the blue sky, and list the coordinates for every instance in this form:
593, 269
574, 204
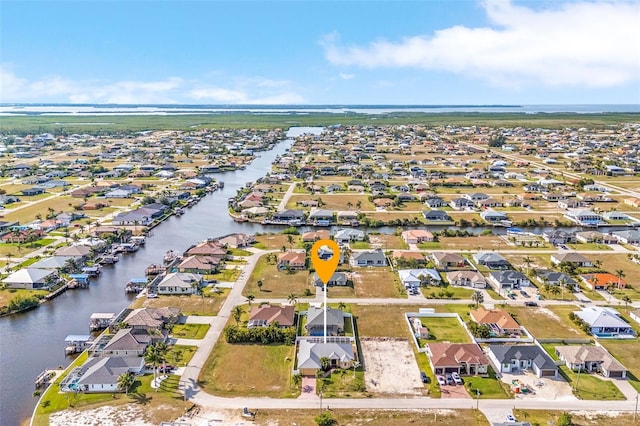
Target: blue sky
320, 52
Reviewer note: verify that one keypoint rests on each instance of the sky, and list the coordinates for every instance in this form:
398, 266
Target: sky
456, 52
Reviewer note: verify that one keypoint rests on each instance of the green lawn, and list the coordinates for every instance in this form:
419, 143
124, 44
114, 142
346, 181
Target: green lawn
444, 292
239, 252
180, 355
360, 245
626, 351
589, 246
445, 330
489, 387
343, 384
589, 386
189, 331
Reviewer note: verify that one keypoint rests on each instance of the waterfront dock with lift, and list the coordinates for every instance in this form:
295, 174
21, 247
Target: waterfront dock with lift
100, 320
76, 343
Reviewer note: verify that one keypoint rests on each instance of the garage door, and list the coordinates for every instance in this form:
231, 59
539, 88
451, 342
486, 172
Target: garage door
615, 374
548, 373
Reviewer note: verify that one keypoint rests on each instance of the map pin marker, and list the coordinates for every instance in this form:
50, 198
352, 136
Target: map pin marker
325, 268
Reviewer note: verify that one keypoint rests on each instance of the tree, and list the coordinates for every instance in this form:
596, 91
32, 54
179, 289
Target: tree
292, 298
554, 290
290, 240
358, 204
565, 419
597, 263
626, 299
620, 274
325, 363
236, 313
325, 419
260, 283
125, 381
250, 298
527, 261
342, 306
477, 297
151, 356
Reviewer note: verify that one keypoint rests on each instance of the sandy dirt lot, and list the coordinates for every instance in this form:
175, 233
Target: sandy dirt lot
551, 389
390, 367
132, 415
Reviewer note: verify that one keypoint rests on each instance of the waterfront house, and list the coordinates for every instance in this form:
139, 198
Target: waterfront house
129, 342
462, 358
315, 321
605, 322
472, 279
55, 262
211, 248
348, 235
517, 358
436, 216
101, 374
368, 258
267, 315
338, 278
205, 265
416, 236
296, 260
321, 217
491, 260
556, 236
592, 359
341, 354
499, 321
152, 318
289, 216
313, 236
571, 257
413, 278
180, 283
492, 216
31, 278
237, 240
595, 237
584, 217
508, 279
628, 237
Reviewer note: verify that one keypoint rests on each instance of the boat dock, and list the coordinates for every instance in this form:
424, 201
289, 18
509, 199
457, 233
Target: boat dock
47, 377
100, 320
135, 285
76, 343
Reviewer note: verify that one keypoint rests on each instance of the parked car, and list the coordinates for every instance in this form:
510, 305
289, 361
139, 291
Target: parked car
424, 377
441, 380
530, 304
456, 378
524, 293
449, 379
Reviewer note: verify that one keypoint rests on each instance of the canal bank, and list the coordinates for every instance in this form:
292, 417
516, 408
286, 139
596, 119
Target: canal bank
34, 341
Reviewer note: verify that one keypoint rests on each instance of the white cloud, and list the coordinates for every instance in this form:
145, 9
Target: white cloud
591, 44
346, 76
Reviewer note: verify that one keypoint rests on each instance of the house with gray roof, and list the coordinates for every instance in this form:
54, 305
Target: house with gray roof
436, 216
572, 257
605, 322
338, 278
508, 279
491, 260
180, 283
368, 258
101, 374
31, 278
516, 358
555, 277
348, 235
631, 236
315, 321
341, 354
412, 278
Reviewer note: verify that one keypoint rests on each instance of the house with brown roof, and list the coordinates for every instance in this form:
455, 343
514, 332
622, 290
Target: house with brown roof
313, 236
591, 359
152, 318
292, 260
498, 320
408, 256
572, 257
267, 315
237, 240
417, 236
208, 248
462, 358
448, 260
205, 265
472, 279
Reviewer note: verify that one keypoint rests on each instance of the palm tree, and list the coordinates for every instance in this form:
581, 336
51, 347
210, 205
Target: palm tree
620, 274
477, 297
325, 363
527, 261
562, 283
292, 298
260, 284
597, 263
342, 306
125, 381
290, 241
626, 299
250, 298
555, 290
236, 313
152, 357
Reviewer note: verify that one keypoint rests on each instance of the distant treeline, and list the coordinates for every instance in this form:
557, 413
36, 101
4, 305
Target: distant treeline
108, 124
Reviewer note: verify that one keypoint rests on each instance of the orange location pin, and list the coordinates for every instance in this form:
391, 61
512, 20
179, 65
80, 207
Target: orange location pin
325, 268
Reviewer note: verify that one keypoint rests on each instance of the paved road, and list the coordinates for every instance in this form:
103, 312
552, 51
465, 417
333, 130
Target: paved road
287, 195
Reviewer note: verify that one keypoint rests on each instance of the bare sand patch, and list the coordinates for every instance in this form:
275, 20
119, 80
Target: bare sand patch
544, 388
390, 366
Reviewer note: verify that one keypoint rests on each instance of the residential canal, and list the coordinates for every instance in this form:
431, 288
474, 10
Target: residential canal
34, 341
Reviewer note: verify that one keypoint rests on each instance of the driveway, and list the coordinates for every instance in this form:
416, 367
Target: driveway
308, 388
453, 391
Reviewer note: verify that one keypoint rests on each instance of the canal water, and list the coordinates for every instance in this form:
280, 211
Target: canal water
34, 341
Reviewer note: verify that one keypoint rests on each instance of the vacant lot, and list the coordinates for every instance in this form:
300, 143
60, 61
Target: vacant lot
628, 353
581, 418
333, 201
382, 321
276, 241
544, 323
390, 367
188, 305
478, 243
276, 283
386, 241
445, 330
376, 282
232, 370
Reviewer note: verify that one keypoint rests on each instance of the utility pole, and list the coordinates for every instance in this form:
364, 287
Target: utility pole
635, 411
477, 399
